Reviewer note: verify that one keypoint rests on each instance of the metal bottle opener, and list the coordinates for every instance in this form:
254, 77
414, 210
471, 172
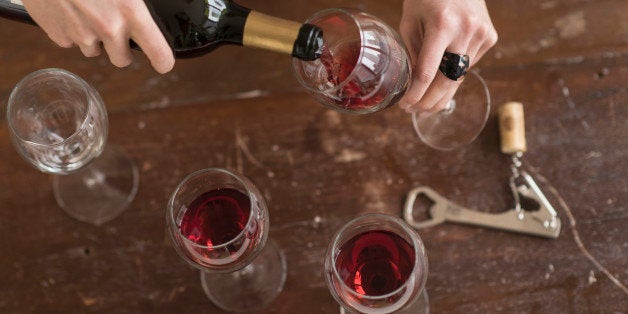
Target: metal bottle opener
539, 219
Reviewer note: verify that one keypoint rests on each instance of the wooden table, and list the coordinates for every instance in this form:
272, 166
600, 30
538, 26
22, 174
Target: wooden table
567, 61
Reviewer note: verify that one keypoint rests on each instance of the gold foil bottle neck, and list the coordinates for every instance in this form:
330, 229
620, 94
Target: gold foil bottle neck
268, 32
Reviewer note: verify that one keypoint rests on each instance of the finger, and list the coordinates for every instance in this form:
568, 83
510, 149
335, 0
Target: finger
88, 42
411, 34
50, 22
60, 39
85, 38
91, 50
444, 102
441, 85
486, 45
81, 33
118, 50
436, 91
425, 70
146, 34
112, 31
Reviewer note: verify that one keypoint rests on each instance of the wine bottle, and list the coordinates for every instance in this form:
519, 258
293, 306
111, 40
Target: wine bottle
196, 27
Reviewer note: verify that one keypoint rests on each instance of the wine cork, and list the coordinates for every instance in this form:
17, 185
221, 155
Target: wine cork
512, 128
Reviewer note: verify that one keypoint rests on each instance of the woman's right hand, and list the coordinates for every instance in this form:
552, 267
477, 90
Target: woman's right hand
94, 24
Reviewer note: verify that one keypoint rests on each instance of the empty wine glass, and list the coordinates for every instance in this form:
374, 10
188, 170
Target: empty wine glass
218, 222
365, 67
58, 123
461, 120
376, 263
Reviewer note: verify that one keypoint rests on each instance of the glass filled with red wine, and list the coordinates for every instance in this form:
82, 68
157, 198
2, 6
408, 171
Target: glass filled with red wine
364, 66
218, 222
58, 123
376, 263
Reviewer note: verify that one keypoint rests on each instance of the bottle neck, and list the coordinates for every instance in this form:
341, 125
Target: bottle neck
302, 41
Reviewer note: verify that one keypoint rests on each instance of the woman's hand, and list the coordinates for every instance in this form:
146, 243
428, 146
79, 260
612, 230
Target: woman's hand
431, 27
94, 24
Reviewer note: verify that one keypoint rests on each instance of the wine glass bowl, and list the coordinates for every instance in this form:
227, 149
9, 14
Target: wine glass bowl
376, 264
218, 222
461, 120
228, 244
364, 66
59, 124
56, 121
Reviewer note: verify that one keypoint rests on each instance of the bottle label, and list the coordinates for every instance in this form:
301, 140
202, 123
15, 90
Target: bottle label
215, 9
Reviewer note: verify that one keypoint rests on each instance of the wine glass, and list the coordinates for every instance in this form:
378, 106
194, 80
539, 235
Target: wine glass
376, 263
461, 120
364, 67
218, 222
58, 123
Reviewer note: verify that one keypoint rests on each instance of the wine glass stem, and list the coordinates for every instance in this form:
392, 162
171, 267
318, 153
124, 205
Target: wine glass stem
99, 191
251, 288
420, 305
451, 106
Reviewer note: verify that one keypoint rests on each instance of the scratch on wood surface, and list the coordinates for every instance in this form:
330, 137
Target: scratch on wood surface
373, 192
561, 127
571, 25
566, 93
173, 293
550, 270
576, 235
243, 148
146, 166
593, 154
290, 158
87, 301
592, 278
162, 103
140, 269
611, 112
548, 5
239, 161
250, 94
349, 155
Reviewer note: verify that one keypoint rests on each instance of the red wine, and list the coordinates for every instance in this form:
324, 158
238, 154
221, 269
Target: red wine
196, 27
375, 263
359, 93
216, 217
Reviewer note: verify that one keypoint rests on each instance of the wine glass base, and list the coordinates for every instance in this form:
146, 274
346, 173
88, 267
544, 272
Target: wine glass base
99, 191
420, 306
251, 288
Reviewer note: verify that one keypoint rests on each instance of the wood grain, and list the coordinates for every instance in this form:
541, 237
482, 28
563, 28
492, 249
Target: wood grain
319, 168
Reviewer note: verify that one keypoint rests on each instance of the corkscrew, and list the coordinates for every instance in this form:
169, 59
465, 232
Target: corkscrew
532, 214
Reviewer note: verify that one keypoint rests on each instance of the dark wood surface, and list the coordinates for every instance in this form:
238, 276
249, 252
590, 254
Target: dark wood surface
567, 61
